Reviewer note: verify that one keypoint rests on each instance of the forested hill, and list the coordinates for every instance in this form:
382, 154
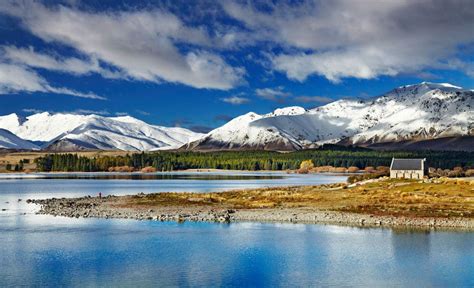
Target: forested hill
249, 160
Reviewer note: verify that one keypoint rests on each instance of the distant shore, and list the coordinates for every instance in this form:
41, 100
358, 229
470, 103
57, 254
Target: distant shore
384, 203
33, 173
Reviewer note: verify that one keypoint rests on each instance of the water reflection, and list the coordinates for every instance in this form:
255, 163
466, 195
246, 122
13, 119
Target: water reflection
146, 176
41, 250
91, 252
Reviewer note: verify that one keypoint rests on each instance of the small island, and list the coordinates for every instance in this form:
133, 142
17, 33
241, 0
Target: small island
427, 203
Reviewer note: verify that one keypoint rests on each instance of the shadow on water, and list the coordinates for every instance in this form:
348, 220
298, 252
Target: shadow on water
147, 176
162, 177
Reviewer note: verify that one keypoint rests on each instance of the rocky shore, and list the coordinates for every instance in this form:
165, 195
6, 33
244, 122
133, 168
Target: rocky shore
116, 207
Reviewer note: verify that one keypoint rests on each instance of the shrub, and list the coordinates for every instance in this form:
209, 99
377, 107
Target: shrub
353, 169
340, 170
121, 169
148, 169
456, 173
469, 173
305, 166
366, 176
369, 169
323, 169
383, 168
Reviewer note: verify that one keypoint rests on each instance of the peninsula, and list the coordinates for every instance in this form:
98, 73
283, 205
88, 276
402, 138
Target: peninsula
428, 203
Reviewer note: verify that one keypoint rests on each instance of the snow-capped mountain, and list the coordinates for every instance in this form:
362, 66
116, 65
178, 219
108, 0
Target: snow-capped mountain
425, 115
418, 112
65, 132
9, 140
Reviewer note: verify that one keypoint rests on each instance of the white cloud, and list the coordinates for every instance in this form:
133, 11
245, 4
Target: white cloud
334, 39
273, 94
362, 39
30, 57
235, 100
77, 111
313, 99
16, 78
67, 91
364, 64
88, 112
142, 45
141, 112
32, 110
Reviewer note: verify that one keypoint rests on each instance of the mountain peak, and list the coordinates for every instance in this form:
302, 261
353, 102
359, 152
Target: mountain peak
292, 110
11, 120
127, 119
431, 86
440, 85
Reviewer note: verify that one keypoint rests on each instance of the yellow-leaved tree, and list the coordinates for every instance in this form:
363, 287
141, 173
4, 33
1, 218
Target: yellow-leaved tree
305, 166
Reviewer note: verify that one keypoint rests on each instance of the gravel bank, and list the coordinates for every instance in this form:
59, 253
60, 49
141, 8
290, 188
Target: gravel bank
115, 207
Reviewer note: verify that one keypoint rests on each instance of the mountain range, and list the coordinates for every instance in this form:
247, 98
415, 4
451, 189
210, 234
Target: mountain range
406, 117
436, 116
71, 132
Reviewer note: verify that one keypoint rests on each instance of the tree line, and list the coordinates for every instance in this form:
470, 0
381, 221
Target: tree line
328, 155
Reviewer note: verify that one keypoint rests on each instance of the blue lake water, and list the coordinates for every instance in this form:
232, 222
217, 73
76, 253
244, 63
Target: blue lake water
41, 250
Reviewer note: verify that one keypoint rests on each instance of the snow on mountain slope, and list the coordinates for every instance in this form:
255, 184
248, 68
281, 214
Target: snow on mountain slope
414, 112
78, 132
240, 134
9, 140
421, 112
42, 126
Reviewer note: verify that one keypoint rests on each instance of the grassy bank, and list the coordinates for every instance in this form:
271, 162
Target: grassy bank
394, 203
440, 198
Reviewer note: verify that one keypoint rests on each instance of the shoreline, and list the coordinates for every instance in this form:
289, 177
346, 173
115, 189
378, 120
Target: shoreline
218, 207
40, 175
264, 215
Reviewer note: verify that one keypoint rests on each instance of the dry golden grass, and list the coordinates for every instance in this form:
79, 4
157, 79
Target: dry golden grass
387, 197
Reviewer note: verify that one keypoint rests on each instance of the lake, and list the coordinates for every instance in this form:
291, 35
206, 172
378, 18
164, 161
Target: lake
41, 250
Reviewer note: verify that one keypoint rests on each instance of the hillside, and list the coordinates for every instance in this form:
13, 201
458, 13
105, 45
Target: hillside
9, 140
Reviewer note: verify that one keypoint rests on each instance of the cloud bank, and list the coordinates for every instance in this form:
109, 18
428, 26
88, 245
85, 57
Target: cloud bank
361, 39
335, 39
142, 45
235, 100
15, 79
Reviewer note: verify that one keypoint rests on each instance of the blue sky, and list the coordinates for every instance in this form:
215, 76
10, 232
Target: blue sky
197, 64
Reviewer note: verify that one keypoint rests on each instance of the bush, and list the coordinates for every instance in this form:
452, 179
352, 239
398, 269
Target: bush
121, 169
383, 168
366, 176
321, 169
148, 169
369, 169
305, 166
456, 173
353, 169
340, 170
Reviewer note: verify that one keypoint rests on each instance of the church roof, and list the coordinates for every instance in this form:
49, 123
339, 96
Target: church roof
407, 164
